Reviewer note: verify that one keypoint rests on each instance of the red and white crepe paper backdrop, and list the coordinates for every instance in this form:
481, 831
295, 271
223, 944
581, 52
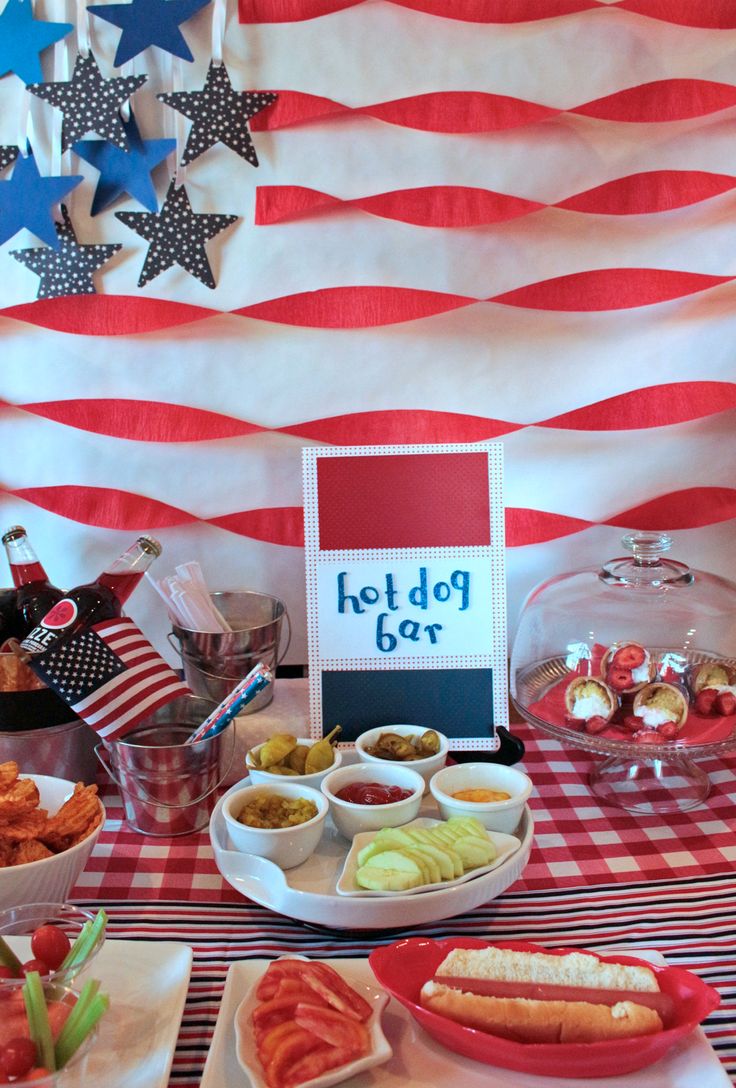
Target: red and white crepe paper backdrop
547, 258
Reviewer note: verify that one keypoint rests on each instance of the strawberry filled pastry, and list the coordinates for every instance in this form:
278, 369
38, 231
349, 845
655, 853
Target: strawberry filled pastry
627, 667
661, 709
590, 704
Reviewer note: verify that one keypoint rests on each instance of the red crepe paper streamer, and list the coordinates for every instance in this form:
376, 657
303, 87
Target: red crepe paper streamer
475, 111
153, 421
108, 508
368, 307
461, 206
106, 315
474, 11
708, 14
438, 111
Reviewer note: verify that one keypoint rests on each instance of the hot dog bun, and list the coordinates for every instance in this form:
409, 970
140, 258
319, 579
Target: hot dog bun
568, 998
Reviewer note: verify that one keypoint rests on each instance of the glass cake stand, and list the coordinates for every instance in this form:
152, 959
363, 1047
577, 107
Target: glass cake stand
640, 778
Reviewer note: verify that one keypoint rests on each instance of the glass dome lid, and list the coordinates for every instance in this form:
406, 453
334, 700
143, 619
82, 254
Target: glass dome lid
637, 655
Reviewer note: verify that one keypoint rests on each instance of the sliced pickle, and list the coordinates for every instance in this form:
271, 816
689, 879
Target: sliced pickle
321, 755
277, 749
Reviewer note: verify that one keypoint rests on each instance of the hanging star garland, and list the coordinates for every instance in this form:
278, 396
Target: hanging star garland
149, 22
67, 270
8, 154
219, 115
26, 200
125, 171
177, 236
22, 38
89, 102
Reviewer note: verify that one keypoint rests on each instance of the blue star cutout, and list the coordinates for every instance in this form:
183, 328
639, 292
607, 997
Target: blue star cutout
125, 171
26, 200
149, 22
22, 38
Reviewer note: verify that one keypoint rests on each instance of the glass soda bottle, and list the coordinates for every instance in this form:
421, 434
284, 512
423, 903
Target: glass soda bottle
93, 602
34, 594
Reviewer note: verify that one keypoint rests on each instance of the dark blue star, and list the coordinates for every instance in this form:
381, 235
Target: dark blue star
125, 171
149, 22
26, 200
22, 38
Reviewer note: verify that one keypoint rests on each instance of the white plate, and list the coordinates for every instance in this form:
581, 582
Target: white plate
418, 1061
309, 891
147, 983
505, 845
245, 1048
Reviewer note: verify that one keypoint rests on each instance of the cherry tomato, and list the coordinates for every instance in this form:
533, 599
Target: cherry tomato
18, 1056
36, 965
50, 945
7, 972
38, 1074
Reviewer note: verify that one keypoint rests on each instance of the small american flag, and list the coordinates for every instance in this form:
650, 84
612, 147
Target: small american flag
110, 676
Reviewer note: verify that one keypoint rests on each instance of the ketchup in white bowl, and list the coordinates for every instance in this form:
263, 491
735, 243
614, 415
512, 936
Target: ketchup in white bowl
372, 793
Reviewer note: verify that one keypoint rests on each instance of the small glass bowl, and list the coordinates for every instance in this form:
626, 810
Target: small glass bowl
23, 920
72, 1072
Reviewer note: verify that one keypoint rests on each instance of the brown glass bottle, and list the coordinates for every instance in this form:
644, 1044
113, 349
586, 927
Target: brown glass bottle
93, 602
34, 594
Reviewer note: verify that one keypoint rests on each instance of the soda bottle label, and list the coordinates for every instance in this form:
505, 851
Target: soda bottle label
61, 616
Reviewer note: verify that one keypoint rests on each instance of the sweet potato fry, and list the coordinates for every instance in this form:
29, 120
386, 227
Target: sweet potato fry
76, 817
29, 825
8, 774
21, 797
30, 850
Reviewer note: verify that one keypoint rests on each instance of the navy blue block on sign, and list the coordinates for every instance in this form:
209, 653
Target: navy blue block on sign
457, 702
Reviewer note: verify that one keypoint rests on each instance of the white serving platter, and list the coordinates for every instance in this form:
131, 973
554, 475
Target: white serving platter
147, 983
309, 891
419, 1061
505, 845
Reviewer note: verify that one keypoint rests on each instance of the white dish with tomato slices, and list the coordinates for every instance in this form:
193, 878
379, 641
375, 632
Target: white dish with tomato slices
373, 1001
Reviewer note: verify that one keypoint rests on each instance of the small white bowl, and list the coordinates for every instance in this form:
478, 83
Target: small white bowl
49, 880
495, 815
284, 846
259, 777
352, 819
425, 767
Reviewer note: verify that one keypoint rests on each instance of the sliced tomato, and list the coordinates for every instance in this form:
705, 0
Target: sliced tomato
333, 1027
288, 1051
275, 972
325, 981
315, 1064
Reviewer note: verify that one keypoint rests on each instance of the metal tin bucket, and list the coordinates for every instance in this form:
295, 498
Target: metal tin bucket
63, 751
214, 663
169, 787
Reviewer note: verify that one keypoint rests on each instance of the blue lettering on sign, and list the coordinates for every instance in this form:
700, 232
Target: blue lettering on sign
454, 592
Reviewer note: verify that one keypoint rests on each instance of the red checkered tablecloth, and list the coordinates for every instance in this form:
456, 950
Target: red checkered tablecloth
577, 842
598, 877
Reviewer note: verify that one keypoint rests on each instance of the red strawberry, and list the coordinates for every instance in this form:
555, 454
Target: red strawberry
596, 724
630, 656
704, 701
619, 679
667, 730
647, 736
632, 723
725, 703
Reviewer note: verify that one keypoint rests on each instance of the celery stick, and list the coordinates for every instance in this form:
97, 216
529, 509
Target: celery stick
8, 957
86, 941
77, 1028
38, 1019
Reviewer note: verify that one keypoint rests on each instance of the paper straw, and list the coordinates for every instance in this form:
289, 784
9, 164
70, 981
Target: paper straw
257, 679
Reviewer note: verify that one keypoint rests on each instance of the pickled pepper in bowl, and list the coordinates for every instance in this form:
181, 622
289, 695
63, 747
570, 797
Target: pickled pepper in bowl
394, 746
282, 754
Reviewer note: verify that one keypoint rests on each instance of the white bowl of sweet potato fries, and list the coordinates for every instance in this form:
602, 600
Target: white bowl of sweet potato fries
48, 827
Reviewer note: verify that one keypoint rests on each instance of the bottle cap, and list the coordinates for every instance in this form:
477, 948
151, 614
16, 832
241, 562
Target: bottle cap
150, 545
13, 533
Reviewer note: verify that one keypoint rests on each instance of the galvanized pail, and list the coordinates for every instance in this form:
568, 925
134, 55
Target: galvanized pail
214, 663
63, 751
169, 787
